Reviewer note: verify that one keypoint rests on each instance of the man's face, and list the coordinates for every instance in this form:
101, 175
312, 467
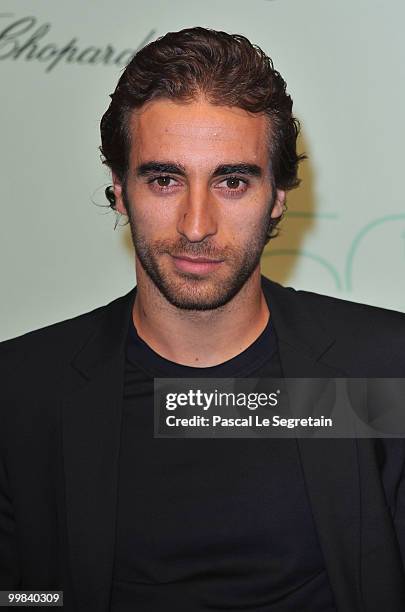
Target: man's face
199, 199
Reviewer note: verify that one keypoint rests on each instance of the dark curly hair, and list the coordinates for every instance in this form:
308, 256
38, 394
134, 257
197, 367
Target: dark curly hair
228, 70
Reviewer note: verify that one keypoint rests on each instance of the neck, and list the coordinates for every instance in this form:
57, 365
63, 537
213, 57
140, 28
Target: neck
199, 338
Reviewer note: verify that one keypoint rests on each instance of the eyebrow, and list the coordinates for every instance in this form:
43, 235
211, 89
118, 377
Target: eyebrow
155, 167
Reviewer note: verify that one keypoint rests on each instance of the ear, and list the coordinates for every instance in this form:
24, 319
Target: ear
119, 202
279, 204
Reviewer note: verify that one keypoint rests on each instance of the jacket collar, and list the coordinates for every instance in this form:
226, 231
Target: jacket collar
107, 338
296, 327
306, 346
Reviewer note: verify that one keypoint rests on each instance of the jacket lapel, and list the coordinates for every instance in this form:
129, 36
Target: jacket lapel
330, 465
91, 420
353, 522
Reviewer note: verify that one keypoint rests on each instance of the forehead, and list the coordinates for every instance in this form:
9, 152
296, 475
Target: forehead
197, 132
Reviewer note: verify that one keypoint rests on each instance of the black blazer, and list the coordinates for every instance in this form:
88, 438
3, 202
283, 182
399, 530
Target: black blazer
61, 393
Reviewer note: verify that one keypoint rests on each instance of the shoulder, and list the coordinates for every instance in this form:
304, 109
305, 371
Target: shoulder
54, 340
370, 341
346, 314
374, 336
364, 340
336, 312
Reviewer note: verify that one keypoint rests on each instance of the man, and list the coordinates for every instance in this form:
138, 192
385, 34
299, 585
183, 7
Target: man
201, 143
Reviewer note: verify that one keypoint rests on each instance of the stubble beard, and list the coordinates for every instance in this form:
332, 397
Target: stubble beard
189, 291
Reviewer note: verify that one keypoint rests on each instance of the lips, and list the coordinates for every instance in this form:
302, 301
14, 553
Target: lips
195, 265
197, 259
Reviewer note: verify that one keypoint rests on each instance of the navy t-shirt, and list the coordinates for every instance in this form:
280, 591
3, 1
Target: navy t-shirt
211, 523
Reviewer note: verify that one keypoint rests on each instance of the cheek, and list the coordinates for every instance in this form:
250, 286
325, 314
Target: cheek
246, 221
152, 215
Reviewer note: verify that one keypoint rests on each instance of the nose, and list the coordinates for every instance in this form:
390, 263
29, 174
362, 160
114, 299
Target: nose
197, 214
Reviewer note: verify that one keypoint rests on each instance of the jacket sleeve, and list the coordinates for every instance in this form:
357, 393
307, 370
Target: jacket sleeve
9, 557
391, 453
9, 569
399, 516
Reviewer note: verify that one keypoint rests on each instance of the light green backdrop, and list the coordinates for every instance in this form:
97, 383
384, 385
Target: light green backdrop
343, 60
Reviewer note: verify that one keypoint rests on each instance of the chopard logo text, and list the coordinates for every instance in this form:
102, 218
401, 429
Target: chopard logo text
26, 39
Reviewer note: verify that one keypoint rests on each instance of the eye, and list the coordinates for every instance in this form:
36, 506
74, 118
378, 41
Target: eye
233, 182
162, 183
233, 185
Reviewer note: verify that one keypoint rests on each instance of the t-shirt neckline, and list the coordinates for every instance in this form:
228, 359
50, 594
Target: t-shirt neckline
139, 353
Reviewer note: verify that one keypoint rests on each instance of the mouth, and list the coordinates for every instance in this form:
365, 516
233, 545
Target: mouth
196, 265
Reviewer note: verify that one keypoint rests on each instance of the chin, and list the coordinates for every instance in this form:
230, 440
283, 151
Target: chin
190, 293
